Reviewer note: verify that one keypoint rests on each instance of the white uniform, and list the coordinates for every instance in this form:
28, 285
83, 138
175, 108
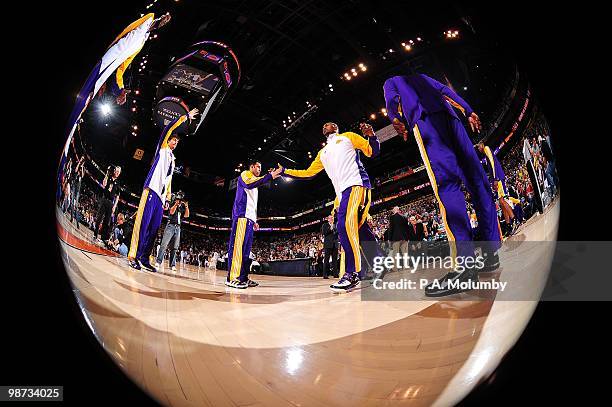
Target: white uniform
340, 160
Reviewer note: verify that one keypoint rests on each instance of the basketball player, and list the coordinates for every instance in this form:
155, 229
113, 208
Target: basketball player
424, 105
340, 160
155, 193
128, 43
498, 181
244, 222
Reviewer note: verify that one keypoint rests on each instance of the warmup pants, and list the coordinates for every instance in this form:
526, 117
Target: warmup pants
239, 248
518, 212
172, 234
330, 266
353, 230
450, 158
103, 218
398, 247
146, 225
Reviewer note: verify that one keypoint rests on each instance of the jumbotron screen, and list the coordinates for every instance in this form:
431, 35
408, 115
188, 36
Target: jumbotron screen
192, 79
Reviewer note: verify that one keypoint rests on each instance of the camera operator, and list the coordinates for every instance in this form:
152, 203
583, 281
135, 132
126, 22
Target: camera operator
172, 233
111, 188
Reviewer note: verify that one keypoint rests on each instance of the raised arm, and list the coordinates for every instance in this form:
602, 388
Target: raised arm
450, 95
315, 167
132, 35
250, 181
370, 146
489, 154
392, 100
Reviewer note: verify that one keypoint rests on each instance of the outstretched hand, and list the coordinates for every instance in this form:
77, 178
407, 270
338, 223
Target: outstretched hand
474, 121
193, 113
366, 129
400, 128
277, 172
122, 98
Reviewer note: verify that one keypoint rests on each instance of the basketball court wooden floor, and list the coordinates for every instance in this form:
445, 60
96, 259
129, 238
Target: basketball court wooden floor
188, 340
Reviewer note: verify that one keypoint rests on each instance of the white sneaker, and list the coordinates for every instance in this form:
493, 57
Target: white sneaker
236, 284
346, 283
173, 268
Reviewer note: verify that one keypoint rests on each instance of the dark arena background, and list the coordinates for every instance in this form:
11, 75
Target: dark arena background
180, 336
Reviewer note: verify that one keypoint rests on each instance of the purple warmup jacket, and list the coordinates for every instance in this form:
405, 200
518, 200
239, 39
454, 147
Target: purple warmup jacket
422, 96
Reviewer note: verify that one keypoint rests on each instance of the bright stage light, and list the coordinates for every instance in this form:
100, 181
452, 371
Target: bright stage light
105, 109
372, 116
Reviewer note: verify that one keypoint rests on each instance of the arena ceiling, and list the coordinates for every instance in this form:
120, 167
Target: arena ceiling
290, 53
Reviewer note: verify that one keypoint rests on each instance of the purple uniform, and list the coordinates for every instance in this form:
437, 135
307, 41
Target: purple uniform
156, 191
244, 216
424, 105
495, 172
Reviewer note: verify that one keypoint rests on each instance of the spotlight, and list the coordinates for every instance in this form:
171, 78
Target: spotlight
137, 92
465, 88
105, 109
330, 85
373, 116
353, 70
354, 73
408, 47
135, 127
